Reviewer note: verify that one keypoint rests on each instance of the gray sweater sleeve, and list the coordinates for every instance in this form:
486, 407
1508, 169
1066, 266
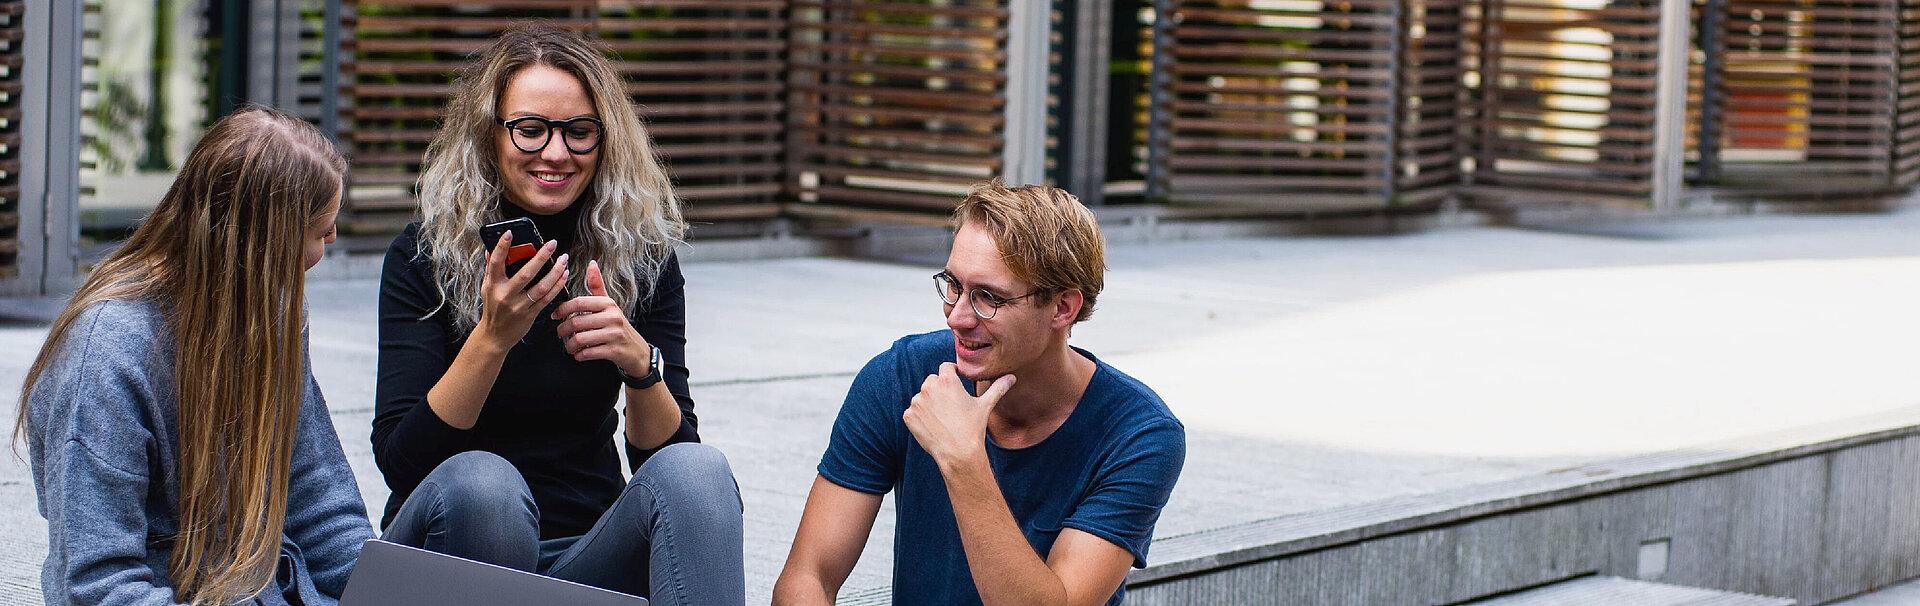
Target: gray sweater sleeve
325, 516
93, 448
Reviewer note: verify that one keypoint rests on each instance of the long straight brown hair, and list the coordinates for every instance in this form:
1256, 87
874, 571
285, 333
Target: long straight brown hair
222, 257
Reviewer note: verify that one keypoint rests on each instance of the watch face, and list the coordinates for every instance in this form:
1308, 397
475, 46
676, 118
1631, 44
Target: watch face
654, 373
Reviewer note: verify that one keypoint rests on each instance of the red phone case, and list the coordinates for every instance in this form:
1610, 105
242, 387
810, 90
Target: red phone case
520, 252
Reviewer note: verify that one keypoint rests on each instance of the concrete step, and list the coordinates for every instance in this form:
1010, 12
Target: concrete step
1904, 594
1612, 591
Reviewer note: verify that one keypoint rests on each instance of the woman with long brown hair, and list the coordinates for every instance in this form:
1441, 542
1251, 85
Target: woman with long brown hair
181, 449
497, 416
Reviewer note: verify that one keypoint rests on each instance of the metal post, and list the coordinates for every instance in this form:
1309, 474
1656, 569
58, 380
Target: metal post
272, 51
1025, 141
230, 83
1086, 35
1159, 87
1712, 92
156, 128
1486, 128
330, 71
1670, 106
50, 156
1397, 49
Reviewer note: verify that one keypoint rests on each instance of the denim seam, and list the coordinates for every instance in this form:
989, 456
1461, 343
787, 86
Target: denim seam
573, 551
664, 528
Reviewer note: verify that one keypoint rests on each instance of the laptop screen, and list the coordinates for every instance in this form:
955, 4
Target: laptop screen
391, 574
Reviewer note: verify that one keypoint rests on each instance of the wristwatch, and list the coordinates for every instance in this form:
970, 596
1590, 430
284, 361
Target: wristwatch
647, 380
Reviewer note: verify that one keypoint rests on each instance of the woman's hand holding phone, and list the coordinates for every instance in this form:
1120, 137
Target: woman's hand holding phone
510, 304
595, 328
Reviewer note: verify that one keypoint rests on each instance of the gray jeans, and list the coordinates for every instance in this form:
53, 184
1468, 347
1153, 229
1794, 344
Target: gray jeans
673, 535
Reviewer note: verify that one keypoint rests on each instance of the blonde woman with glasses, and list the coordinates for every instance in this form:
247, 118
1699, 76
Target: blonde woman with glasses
181, 450
497, 416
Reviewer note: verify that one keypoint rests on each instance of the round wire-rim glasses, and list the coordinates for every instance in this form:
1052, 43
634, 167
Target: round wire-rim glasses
950, 294
532, 133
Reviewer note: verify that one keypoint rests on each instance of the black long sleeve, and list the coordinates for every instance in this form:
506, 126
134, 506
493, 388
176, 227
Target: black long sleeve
552, 417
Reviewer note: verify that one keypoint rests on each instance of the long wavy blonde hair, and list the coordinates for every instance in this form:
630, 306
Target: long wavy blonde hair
222, 257
632, 220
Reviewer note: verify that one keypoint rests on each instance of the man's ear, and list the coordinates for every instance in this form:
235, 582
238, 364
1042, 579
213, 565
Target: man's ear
1066, 307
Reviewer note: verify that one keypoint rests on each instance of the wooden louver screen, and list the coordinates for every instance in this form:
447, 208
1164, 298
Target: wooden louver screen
1807, 88
708, 77
1428, 147
1561, 99
12, 28
896, 104
706, 74
1288, 104
397, 62
1906, 127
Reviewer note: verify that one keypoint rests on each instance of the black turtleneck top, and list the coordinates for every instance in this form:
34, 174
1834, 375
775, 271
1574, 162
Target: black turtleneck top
551, 416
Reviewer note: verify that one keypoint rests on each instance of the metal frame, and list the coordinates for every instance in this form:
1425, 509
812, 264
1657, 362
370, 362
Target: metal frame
50, 155
1086, 38
1159, 97
1670, 106
330, 71
273, 51
1025, 151
1707, 169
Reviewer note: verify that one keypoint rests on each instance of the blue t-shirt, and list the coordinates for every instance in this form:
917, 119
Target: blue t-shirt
1106, 471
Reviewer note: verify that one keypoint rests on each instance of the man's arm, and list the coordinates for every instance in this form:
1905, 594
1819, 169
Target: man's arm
1081, 570
833, 529
951, 425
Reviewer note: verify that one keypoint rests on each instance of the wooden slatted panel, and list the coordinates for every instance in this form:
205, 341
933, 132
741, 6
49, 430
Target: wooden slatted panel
1561, 99
1428, 138
708, 77
1808, 88
397, 61
706, 74
1906, 126
12, 32
1285, 104
895, 104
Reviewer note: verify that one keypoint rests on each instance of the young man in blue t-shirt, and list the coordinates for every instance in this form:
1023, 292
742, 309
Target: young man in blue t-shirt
1045, 487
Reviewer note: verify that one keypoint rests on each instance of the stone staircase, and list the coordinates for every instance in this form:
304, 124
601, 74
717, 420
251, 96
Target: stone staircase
1615, 591
1904, 594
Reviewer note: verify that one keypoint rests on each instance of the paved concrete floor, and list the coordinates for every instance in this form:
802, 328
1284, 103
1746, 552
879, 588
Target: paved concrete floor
1312, 372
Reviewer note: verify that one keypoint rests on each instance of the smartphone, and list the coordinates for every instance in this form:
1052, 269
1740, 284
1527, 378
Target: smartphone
526, 243
526, 240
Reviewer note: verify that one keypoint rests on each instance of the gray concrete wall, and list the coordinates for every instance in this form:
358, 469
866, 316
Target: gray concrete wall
1815, 523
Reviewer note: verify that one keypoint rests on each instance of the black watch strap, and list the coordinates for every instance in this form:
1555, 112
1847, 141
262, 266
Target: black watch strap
647, 380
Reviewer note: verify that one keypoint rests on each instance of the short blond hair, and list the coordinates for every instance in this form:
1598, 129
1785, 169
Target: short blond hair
1045, 236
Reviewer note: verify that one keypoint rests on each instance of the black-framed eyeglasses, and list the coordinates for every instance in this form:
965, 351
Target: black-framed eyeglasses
984, 304
532, 133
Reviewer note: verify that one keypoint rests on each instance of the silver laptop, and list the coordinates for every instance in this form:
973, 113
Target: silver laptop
391, 574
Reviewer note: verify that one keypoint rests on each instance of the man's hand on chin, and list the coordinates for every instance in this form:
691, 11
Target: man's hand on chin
950, 423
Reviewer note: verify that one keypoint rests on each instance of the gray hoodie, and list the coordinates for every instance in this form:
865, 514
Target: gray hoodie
104, 443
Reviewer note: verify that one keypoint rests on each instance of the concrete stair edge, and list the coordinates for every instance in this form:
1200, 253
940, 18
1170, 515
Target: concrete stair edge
1603, 591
